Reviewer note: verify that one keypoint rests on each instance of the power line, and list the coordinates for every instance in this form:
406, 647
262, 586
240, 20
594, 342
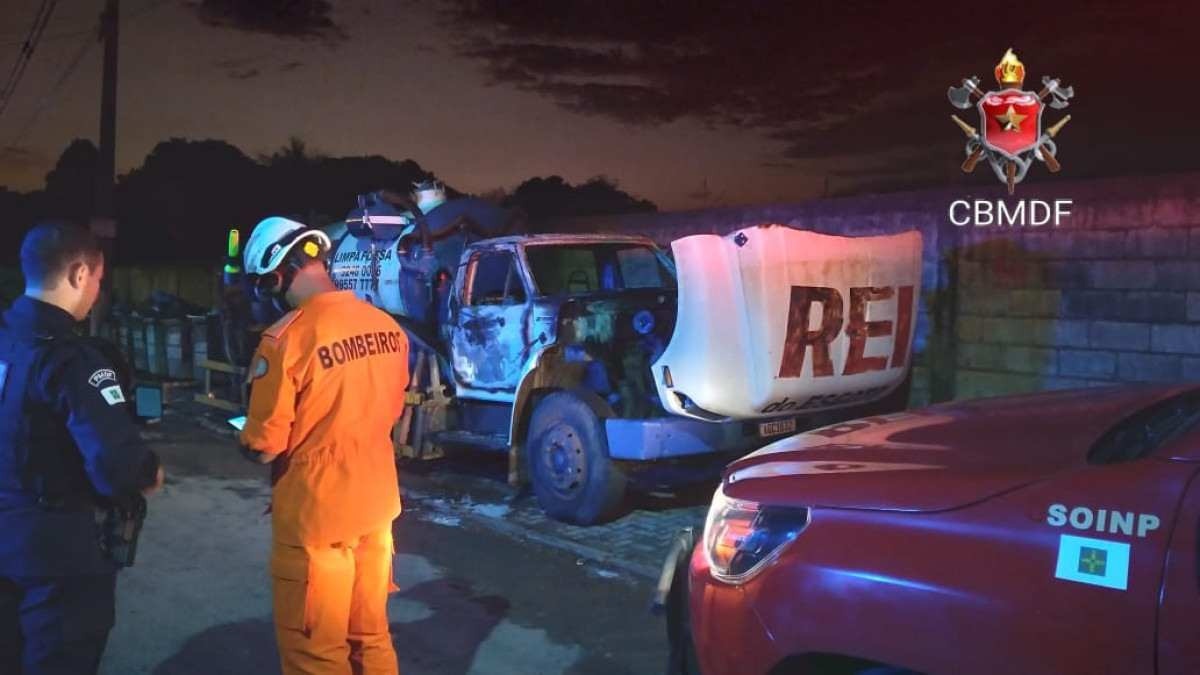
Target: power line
72, 65
13, 34
51, 37
68, 34
27, 48
35, 34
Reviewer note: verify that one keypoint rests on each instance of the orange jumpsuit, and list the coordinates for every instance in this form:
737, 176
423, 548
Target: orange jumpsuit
328, 383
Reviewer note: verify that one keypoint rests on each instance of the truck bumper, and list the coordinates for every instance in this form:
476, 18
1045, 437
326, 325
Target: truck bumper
673, 437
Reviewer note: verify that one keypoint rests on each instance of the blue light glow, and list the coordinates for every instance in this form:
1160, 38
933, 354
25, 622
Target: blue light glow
643, 322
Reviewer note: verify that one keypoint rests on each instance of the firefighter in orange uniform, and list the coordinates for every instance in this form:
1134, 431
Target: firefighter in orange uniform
328, 382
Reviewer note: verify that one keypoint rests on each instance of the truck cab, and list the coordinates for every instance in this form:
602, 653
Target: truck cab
515, 295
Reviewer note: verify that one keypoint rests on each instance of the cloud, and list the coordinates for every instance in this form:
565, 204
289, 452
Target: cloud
299, 19
822, 78
701, 194
249, 67
234, 63
241, 67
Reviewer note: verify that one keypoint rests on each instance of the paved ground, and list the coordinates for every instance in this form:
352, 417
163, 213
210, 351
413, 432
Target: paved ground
472, 486
488, 584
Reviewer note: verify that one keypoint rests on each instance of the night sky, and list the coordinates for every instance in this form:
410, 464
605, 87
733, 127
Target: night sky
689, 104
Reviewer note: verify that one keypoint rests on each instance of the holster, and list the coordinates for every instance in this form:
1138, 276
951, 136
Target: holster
121, 528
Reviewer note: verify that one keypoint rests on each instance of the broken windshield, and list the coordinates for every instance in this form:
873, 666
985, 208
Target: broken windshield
572, 269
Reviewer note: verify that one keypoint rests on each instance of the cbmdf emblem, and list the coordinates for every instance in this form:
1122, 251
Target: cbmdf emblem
1010, 134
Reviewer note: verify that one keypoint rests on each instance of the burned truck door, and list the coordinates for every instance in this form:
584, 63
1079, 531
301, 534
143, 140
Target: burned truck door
488, 337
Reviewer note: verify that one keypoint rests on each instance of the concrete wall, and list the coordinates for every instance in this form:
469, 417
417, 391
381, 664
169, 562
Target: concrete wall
1111, 295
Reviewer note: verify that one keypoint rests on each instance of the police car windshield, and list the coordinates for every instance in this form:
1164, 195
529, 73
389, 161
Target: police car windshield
577, 269
1147, 430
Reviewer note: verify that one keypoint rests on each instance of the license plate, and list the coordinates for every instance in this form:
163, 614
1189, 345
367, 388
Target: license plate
777, 427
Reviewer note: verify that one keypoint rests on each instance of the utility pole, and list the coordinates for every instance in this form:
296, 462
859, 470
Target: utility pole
104, 223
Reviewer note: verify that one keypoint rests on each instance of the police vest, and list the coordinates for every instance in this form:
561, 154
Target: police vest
47, 506
26, 476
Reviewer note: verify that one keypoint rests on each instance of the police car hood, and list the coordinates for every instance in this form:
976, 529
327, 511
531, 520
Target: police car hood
773, 321
937, 458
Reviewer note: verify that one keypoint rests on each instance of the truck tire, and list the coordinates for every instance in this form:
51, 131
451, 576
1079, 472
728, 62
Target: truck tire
567, 451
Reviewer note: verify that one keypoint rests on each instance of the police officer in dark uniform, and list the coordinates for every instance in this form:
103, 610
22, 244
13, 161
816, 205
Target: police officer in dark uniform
68, 448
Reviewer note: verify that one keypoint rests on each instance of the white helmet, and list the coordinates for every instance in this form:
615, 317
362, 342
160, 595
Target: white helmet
272, 240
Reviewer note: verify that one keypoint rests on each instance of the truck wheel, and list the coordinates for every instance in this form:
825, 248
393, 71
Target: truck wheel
572, 475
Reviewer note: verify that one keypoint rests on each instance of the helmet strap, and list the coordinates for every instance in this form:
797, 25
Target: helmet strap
275, 284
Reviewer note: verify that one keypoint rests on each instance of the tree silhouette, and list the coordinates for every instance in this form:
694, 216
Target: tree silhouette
184, 196
71, 184
16, 212
179, 203
319, 189
546, 199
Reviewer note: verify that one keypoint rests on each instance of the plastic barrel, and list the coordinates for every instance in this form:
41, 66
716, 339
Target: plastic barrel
178, 348
137, 328
156, 347
199, 330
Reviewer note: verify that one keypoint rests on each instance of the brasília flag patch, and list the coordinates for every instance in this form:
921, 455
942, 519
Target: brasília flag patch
113, 395
1093, 561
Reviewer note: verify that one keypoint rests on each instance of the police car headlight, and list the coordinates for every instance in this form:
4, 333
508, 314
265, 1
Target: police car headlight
742, 537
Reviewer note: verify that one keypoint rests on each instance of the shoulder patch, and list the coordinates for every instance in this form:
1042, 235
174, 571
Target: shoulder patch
101, 376
259, 368
112, 395
276, 330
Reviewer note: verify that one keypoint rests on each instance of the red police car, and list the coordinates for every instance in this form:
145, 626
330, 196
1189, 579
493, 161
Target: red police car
1048, 533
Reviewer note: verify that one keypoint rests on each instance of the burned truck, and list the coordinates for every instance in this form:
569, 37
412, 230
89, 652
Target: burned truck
593, 359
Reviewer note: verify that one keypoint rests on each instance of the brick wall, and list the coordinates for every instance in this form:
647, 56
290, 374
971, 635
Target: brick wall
1112, 295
